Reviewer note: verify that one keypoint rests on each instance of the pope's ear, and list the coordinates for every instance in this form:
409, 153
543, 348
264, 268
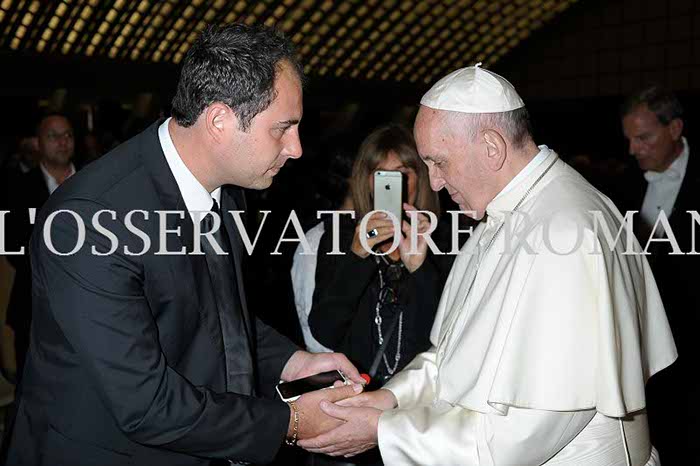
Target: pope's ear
496, 149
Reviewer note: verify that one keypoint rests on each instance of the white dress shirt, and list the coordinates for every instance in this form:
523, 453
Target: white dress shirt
51, 182
196, 197
663, 189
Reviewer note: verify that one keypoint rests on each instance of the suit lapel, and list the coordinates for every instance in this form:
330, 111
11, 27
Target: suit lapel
687, 196
687, 199
679, 219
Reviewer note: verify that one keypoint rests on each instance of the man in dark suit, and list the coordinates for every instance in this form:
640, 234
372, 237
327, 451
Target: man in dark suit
30, 191
652, 121
143, 350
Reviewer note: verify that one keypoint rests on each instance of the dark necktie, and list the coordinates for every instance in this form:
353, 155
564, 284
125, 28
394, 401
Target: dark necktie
239, 366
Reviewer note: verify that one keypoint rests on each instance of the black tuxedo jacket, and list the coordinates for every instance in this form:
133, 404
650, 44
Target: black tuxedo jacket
676, 275
674, 432
126, 363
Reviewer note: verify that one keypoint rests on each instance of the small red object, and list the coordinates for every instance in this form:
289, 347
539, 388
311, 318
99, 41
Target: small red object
366, 377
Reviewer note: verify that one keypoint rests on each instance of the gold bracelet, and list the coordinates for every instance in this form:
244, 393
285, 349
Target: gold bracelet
295, 429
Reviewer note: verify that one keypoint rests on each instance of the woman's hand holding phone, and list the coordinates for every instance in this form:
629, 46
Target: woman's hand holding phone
414, 259
384, 227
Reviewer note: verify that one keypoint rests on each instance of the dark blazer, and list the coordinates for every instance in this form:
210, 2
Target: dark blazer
24, 191
126, 363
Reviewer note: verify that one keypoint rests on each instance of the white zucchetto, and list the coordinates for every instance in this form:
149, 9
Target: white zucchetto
473, 90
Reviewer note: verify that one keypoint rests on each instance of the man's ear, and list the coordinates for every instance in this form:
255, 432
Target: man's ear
218, 118
676, 128
496, 149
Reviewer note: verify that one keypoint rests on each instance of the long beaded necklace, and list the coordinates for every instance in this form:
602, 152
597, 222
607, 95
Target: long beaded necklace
385, 289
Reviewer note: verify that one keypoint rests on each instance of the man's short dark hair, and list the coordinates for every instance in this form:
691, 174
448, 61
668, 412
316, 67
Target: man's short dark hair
46, 116
235, 65
662, 102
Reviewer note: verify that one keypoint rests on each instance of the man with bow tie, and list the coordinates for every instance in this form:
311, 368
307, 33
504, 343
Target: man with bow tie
652, 121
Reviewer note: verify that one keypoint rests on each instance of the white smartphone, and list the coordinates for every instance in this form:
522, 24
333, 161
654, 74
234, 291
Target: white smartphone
388, 192
290, 391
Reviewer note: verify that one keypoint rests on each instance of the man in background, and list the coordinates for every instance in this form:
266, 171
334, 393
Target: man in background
652, 121
56, 148
25, 158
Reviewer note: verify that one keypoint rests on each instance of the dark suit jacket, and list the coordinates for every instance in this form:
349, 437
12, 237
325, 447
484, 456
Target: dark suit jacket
126, 364
24, 191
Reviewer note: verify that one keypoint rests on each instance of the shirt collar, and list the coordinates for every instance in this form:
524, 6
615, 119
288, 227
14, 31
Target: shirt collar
676, 171
196, 197
51, 182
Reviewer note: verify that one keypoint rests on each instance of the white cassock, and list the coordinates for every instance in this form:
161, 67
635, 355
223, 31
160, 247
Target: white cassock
545, 360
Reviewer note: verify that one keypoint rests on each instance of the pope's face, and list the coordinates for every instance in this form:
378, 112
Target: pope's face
255, 156
452, 160
653, 144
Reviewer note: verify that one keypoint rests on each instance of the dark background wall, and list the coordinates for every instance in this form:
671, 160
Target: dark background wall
610, 47
575, 73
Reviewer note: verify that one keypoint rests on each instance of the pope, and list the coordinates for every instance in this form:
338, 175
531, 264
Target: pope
546, 332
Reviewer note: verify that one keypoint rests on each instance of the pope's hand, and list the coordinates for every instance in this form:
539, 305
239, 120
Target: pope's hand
381, 399
302, 364
313, 421
356, 433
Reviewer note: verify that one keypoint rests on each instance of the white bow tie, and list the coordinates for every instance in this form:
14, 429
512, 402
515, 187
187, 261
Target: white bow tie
669, 174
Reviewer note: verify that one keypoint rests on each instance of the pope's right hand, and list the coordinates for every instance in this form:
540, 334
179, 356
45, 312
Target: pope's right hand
313, 421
